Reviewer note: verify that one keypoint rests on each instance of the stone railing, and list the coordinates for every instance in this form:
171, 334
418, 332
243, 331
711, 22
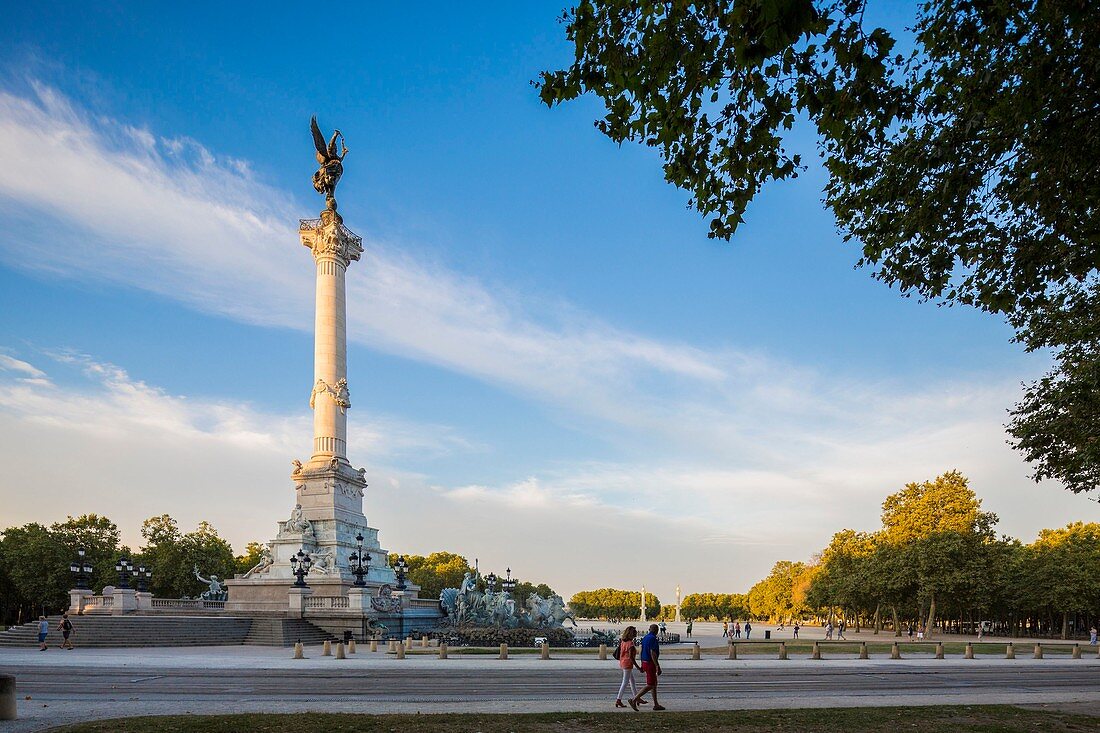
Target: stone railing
326, 602
423, 603
186, 604
99, 602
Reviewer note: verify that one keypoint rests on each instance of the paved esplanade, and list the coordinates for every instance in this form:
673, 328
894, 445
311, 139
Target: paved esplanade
100, 683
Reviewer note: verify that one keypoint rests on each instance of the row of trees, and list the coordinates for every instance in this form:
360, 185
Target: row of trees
937, 562
441, 570
35, 558
612, 603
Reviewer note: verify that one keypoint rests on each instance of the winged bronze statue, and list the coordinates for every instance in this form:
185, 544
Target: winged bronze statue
332, 163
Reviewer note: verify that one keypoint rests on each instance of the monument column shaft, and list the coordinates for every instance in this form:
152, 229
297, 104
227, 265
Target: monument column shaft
330, 362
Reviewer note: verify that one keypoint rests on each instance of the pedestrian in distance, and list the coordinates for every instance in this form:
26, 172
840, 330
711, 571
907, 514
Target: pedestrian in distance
65, 626
828, 630
840, 630
689, 629
651, 653
627, 654
737, 630
43, 631
725, 628
663, 630
795, 629
748, 629
910, 632
1092, 635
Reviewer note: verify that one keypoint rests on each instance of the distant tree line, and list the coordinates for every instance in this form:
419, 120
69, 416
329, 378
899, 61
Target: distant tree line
611, 603
35, 558
935, 563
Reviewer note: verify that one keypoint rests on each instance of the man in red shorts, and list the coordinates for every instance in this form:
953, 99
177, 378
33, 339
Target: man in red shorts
651, 652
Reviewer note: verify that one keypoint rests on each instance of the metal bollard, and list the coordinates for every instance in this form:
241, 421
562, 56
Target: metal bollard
400, 651
732, 651
783, 650
1076, 652
895, 651
695, 651
939, 650
8, 709
1038, 652
442, 650
603, 652
340, 650
545, 651
351, 646
969, 653
1010, 651
374, 645
817, 651
299, 652
327, 649
863, 650
503, 651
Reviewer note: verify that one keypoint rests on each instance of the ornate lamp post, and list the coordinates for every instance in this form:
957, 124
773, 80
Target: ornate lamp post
491, 581
401, 568
358, 562
81, 569
509, 583
299, 566
143, 575
124, 569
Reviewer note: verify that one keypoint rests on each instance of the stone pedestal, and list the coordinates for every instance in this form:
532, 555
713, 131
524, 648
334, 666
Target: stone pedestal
144, 600
77, 597
296, 598
125, 601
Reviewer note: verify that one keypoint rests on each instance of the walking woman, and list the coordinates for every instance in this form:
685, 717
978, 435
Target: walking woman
627, 656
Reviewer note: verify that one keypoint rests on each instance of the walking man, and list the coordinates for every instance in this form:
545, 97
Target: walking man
796, 628
651, 652
690, 622
840, 629
725, 628
748, 629
1092, 635
43, 630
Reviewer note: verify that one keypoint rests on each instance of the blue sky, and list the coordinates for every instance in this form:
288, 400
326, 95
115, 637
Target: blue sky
541, 333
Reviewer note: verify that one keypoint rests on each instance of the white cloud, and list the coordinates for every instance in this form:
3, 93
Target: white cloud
732, 459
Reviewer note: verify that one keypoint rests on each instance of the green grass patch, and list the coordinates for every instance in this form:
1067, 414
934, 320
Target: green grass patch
965, 719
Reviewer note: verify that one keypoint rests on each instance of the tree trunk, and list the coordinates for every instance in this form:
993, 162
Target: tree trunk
931, 616
878, 618
897, 625
1065, 624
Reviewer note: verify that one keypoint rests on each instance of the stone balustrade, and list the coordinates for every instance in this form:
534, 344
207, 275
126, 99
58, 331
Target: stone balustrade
326, 602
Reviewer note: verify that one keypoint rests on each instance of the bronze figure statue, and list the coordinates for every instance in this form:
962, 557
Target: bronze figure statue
332, 165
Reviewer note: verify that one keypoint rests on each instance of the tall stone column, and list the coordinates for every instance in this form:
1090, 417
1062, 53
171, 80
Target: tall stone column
333, 248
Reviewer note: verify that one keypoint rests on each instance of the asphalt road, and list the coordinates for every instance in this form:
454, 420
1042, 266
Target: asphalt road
839, 686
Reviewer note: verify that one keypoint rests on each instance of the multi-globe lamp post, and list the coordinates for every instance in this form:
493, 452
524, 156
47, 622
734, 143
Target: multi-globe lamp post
143, 576
125, 569
80, 569
509, 583
299, 566
359, 562
401, 569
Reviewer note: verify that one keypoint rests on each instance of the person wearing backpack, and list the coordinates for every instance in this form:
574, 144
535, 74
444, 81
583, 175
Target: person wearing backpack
627, 654
65, 626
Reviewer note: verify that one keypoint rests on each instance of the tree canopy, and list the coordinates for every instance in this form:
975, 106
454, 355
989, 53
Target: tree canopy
964, 167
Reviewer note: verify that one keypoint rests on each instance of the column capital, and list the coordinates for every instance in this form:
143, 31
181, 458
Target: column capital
329, 239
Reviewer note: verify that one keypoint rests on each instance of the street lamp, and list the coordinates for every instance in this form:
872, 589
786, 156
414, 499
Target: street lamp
401, 568
299, 566
81, 569
143, 575
508, 584
124, 568
491, 581
359, 561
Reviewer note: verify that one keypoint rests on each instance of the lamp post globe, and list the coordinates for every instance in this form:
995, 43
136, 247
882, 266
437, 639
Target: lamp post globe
359, 562
123, 567
300, 565
401, 568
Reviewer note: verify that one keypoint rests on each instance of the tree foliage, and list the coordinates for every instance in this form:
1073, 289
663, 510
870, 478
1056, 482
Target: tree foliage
173, 556
612, 603
435, 572
965, 168
714, 606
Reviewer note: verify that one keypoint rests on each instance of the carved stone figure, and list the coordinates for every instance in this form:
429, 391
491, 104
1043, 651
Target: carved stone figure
266, 561
298, 521
331, 162
338, 392
469, 606
216, 592
386, 601
323, 562
297, 466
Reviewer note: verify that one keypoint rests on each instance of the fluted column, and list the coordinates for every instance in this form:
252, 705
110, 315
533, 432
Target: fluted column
333, 248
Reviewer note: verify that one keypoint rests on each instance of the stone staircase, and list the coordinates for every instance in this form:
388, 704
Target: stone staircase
284, 632
145, 631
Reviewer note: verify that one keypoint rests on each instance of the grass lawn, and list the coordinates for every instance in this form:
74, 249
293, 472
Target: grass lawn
986, 719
